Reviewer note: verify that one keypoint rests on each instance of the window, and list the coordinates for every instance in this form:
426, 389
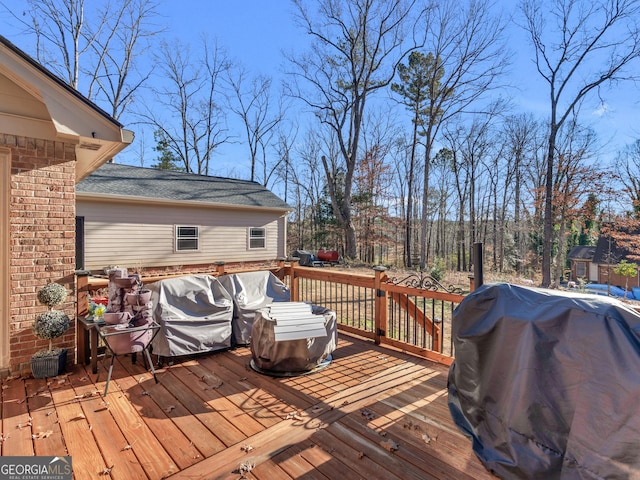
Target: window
187, 238
257, 238
581, 269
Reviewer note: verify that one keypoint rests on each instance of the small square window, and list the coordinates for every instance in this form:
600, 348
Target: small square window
187, 238
257, 238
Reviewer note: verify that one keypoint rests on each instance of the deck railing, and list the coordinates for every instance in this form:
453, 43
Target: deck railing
413, 312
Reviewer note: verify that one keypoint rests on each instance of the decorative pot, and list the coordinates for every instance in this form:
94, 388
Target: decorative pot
114, 318
139, 299
127, 282
128, 342
49, 365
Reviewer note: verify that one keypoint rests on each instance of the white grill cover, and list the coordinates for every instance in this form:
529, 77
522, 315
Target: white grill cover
194, 313
250, 292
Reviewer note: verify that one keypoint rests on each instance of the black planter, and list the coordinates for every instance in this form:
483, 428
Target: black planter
49, 366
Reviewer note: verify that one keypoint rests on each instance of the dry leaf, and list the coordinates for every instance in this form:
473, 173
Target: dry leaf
367, 414
361, 455
426, 438
46, 434
145, 393
80, 416
246, 467
211, 380
169, 408
389, 445
316, 409
107, 470
3, 437
127, 447
246, 448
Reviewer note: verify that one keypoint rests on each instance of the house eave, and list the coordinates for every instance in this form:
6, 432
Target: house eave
151, 201
40, 105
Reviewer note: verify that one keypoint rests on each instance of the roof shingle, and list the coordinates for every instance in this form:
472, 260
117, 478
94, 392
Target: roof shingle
127, 180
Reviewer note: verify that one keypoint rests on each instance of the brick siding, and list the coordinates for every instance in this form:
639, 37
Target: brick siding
42, 217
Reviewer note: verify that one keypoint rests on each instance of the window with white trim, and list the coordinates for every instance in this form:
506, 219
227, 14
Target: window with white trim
257, 238
581, 269
187, 238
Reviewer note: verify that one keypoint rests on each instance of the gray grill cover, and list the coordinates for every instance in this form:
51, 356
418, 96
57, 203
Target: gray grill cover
291, 356
250, 292
547, 383
194, 313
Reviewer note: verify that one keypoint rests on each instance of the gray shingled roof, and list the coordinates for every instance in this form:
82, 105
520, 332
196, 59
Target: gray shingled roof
582, 252
126, 180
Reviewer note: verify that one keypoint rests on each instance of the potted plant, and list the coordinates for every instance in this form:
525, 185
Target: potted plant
47, 326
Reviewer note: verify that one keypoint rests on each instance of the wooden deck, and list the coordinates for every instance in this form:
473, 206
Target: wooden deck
373, 413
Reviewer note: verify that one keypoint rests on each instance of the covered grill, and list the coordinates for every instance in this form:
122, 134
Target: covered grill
546, 383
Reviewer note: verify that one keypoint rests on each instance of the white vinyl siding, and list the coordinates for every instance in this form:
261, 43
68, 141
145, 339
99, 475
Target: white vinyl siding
139, 235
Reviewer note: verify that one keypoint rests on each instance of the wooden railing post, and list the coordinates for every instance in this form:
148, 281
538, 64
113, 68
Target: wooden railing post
219, 268
294, 283
82, 310
280, 262
82, 293
380, 304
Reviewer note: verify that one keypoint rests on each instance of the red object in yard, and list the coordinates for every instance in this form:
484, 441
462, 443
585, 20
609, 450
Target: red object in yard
327, 255
100, 300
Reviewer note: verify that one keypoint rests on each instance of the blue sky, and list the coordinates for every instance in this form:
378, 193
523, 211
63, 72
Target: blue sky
255, 33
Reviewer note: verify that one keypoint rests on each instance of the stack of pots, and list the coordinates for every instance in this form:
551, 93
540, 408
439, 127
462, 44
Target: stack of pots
129, 306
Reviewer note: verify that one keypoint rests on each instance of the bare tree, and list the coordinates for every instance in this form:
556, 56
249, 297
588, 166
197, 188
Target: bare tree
191, 122
579, 47
628, 171
418, 83
95, 50
357, 47
465, 41
253, 104
519, 135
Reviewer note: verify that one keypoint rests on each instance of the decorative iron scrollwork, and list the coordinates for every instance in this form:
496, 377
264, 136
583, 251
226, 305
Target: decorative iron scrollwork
425, 282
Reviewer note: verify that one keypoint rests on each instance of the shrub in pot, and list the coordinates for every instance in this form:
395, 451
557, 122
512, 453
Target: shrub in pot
47, 326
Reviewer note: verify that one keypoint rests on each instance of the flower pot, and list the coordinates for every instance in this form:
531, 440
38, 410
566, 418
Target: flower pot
49, 365
128, 342
139, 299
127, 282
114, 318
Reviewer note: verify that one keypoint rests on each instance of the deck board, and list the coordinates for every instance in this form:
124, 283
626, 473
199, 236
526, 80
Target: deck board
211, 415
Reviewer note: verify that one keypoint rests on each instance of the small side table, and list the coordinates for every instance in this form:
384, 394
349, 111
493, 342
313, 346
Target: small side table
88, 342
140, 336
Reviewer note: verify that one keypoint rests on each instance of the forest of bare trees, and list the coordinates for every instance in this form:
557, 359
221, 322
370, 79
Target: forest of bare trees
393, 134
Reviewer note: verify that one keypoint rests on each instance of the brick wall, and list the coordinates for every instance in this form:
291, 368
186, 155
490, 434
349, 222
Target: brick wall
42, 239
